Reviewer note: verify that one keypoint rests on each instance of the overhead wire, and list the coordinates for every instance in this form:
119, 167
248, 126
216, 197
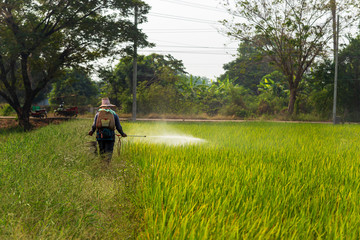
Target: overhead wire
177, 51
180, 31
182, 18
203, 47
177, 43
184, 48
224, 50
188, 49
196, 5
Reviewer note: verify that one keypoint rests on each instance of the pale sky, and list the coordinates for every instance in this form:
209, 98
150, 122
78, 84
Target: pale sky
187, 29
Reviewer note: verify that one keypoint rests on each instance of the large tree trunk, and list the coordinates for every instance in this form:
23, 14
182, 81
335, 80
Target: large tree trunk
24, 119
291, 106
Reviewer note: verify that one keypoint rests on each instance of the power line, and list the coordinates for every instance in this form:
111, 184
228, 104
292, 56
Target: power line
177, 43
204, 47
196, 5
183, 44
177, 31
190, 52
202, 65
182, 18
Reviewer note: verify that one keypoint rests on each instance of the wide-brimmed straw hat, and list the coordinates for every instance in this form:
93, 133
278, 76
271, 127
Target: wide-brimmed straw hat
105, 102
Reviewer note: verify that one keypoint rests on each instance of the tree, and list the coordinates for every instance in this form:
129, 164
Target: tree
248, 68
293, 33
348, 83
38, 39
152, 69
273, 83
191, 87
349, 75
73, 88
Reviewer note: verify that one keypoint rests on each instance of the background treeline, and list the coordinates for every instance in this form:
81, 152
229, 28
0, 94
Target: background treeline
251, 87
283, 69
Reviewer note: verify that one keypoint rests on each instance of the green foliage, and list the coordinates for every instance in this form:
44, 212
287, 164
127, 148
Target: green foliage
152, 69
235, 104
322, 101
6, 110
74, 88
53, 187
227, 96
292, 34
39, 39
194, 95
212, 104
273, 96
159, 99
248, 181
274, 83
249, 67
192, 88
321, 82
271, 105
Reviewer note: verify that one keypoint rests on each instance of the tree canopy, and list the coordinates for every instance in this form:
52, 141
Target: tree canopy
348, 91
73, 88
152, 69
293, 33
249, 67
38, 39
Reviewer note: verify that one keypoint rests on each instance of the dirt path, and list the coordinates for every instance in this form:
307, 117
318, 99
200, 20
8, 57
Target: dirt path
10, 122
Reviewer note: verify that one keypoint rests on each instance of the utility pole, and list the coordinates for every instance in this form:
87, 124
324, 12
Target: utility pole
135, 67
336, 51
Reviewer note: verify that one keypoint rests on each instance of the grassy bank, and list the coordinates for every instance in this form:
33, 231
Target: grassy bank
52, 187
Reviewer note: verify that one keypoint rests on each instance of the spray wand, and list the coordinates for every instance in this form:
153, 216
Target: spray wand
134, 136
119, 142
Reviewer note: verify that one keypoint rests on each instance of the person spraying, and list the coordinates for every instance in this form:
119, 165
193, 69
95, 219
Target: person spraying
105, 122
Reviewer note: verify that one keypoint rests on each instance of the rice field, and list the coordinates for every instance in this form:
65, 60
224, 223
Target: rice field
251, 180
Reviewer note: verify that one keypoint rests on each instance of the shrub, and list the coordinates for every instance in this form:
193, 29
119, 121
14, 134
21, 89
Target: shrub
321, 102
159, 99
212, 106
6, 110
264, 107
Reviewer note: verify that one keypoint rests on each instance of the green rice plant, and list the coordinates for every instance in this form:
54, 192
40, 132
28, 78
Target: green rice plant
249, 181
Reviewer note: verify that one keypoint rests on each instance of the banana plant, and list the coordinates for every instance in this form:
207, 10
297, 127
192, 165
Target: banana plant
191, 86
274, 87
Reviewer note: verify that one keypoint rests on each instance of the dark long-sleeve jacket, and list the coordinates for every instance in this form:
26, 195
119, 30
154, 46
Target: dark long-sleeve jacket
117, 126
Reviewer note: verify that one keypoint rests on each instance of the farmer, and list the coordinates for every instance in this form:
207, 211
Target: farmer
105, 122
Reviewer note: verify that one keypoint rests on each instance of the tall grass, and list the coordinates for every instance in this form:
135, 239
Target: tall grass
51, 187
250, 181
247, 181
